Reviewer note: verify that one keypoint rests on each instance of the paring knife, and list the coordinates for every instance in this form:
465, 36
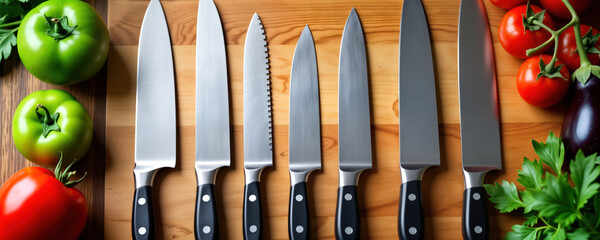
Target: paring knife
419, 135
479, 127
212, 116
354, 134
154, 115
305, 132
258, 148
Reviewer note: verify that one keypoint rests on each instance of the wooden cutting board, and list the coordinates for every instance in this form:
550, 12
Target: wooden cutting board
174, 189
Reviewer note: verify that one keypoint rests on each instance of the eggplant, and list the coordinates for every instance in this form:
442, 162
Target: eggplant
581, 125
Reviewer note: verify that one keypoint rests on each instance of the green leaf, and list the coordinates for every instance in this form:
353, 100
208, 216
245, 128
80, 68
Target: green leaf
552, 153
531, 175
556, 201
558, 234
527, 200
579, 234
520, 232
505, 196
584, 174
12, 10
8, 40
531, 219
596, 208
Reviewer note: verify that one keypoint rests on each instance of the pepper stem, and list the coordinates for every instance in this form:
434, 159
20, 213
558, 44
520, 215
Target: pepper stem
49, 122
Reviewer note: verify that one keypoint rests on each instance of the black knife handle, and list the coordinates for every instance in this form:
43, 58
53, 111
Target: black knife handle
410, 212
143, 216
474, 217
347, 219
252, 212
205, 217
298, 219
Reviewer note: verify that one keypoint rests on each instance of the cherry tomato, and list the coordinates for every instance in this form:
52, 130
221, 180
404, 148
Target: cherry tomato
34, 205
558, 9
515, 39
542, 92
508, 4
567, 47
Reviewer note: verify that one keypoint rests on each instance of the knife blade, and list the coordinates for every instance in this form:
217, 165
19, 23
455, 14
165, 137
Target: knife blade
305, 132
479, 127
155, 137
212, 116
418, 128
354, 134
258, 150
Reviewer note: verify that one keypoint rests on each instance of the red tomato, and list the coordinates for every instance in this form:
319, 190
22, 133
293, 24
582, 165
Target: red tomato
35, 205
545, 91
558, 9
515, 40
508, 4
567, 47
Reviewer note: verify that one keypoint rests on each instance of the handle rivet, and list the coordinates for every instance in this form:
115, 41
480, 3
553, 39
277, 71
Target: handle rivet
206, 229
141, 201
252, 198
476, 196
142, 230
412, 230
348, 230
299, 198
206, 198
412, 197
348, 196
253, 228
478, 229
299, 229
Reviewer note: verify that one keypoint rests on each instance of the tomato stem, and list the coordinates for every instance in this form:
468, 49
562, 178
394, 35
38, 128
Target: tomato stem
583, 59
49, 122
58, 28
64, 175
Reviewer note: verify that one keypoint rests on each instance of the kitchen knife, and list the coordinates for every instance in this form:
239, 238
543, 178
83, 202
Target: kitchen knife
354, 134
154, 115
419, 136
212, 116
305, 132
258, 148
479, 127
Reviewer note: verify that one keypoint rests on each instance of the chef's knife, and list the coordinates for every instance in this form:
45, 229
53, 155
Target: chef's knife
354, 134
212, 116
419, 136
479, 127
305, 132
154, 115
258, 150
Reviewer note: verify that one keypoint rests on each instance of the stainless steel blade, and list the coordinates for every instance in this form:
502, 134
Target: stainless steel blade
419, 136
305, 125
258, 150
354, 116
212, 103
480, 134
155, 102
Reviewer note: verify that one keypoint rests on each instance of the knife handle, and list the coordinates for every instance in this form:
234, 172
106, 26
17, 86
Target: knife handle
143, 216
252, 212
474, 217
410, 212
298, 220
205, 217
347, 219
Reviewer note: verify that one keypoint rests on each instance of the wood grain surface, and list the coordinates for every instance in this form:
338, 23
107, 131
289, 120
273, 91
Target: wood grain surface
174, 193
16, 83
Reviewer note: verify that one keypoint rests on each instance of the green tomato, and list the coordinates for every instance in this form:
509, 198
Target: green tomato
49, 123
63, 41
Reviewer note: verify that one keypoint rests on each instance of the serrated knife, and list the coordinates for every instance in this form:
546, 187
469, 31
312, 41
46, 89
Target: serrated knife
418, 128
258, 146
155, 137
354, 130
212, 116
479, 127
305, 132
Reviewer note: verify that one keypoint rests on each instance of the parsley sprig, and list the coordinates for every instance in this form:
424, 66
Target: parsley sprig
553, 206
11, 14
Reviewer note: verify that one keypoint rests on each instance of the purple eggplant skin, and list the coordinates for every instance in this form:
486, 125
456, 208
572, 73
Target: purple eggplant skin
581, 125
